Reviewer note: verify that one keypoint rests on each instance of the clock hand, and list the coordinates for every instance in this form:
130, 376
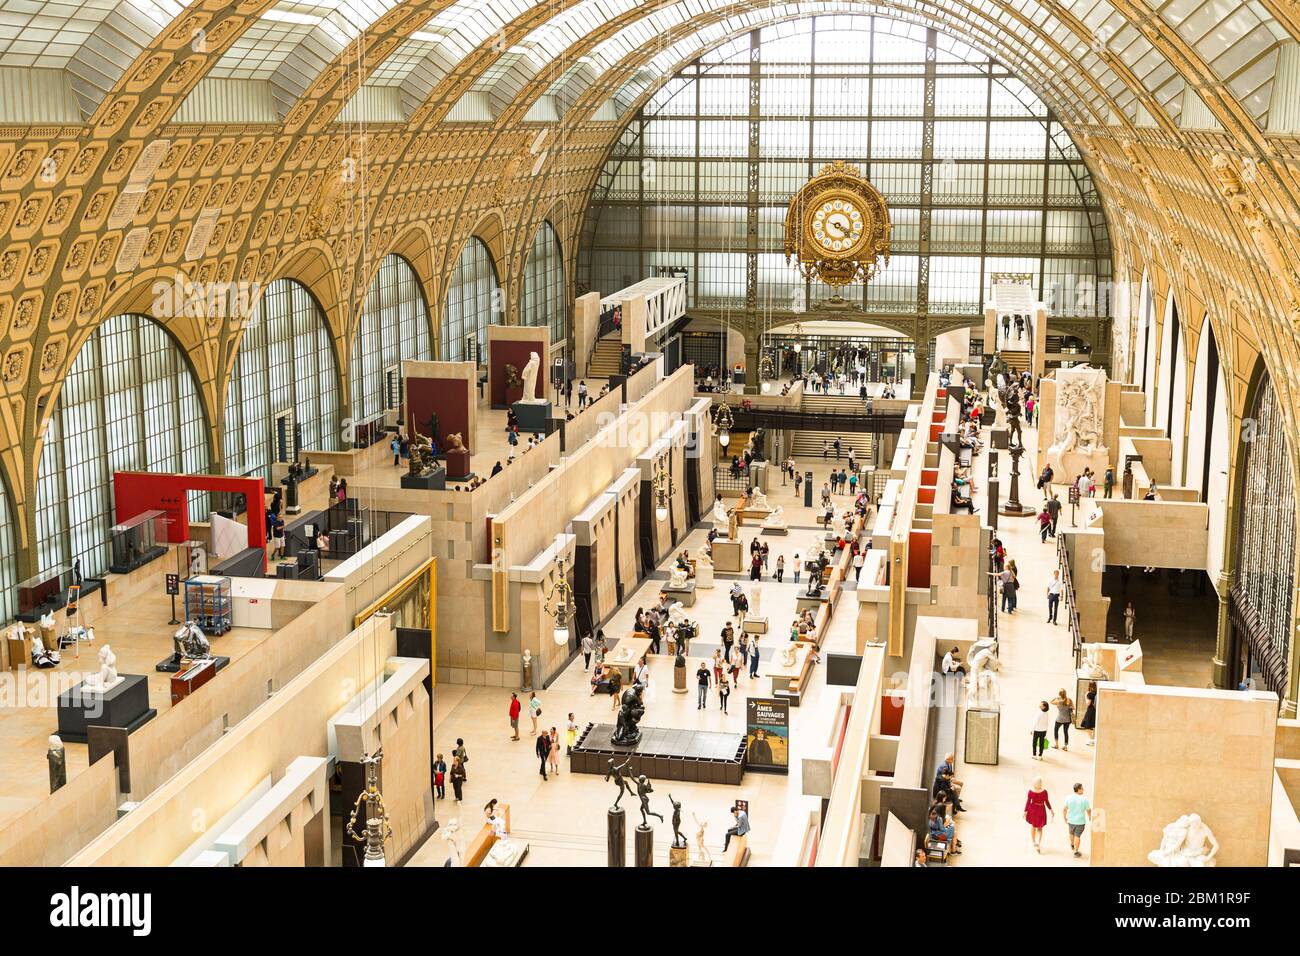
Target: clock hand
839, 229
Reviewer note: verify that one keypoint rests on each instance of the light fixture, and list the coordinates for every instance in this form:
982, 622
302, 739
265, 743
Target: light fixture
723, 421
662, 483
558, 604
378, 830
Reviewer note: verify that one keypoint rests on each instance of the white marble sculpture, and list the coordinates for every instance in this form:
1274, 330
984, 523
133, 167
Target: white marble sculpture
982, 685
755, 602
1186, 842
702, 855
449, 833
1079, 433
106, 678
758, 501
505, 853
838, 527
702, 557
721, 522
1091, 665
789, 654
813, 554
676, 614
677, 578
776, 519
529, 375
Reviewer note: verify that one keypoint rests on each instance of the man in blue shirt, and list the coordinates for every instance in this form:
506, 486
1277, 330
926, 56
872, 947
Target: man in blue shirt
740, 829
1078, 811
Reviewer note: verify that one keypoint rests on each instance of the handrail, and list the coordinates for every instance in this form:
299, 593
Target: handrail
1067, 592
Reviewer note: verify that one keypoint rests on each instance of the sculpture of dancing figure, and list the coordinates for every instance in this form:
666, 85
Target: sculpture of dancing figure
1186, 842
530, 378
679, 840
702, 855
982, 684
616, 773
643, 791
632, 709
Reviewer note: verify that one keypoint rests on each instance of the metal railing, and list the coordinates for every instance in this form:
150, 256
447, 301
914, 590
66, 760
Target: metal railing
1067, 596
724, 480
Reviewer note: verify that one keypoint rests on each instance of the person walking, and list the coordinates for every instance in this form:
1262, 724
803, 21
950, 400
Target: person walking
458, 777
756, 567
515, 708
702, 680
753, 658
794, 566
582, 395
780, 568
1053, 507
1037, 806
718, 666
1053, 596
1078, 814
1011, 588
588, 645
440, 778
555, 751
737, 664
534, 709
1109, 483
724, 691
543, 750
570, 734
1040, 730
568, 392
859, 559
1089, 723
396, 445
1044, 524
1064, 718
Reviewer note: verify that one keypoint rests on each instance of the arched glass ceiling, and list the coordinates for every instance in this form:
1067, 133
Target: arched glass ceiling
92, 43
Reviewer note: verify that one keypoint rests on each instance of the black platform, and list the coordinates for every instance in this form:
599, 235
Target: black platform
126, 705
695, 756
434, 480
165, 666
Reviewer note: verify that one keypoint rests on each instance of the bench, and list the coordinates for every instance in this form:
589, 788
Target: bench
484, 840
793, 691
736, 853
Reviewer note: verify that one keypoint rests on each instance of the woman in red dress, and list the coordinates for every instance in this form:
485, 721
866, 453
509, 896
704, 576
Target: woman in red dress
1037, 807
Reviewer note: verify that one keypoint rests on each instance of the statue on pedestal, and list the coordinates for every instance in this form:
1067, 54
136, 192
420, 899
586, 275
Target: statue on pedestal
107, 677
58, 761
643, 791
758, 501
190, 643
626, 732
703, 557
420, 455
776, 519
616, 773
982, 687
720, 519
455, 442
453, 848
1091, 665
679, 840
677, 578
702, 855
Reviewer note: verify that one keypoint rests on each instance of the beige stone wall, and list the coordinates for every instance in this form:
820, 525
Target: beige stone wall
1165, 751
1160, 534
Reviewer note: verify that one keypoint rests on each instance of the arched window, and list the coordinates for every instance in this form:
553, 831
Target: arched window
473, 301
394, 326
8, 556
130, 403
542, 301
284, 390
1266, 540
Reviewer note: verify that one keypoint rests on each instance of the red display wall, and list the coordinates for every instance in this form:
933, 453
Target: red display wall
448, 398
918, 559
135, 492
503, 352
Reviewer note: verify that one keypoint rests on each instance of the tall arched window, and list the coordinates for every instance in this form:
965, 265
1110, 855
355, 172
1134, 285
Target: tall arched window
8, 556
130, 403
284, 387
394, 326
542, 301
1266, 540
473, 300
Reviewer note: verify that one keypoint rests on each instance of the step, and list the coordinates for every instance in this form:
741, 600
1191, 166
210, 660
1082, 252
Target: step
808, 444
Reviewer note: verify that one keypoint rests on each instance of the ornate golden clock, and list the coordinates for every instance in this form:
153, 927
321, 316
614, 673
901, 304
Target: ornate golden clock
837, 227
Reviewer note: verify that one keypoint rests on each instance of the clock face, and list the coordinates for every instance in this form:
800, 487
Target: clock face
837, 227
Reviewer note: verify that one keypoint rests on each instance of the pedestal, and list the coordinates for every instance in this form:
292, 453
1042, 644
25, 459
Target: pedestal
983, 729
616, 833
679, 679
679, 856
684, 594
458, 465
126, 705
433, 480
755, 625
726, 555
703, 576
532, 416
645, 846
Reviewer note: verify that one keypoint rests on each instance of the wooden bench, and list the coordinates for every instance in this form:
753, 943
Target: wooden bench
736, 853
484, 840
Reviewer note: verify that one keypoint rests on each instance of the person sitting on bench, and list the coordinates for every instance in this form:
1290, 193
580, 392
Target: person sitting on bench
740, 829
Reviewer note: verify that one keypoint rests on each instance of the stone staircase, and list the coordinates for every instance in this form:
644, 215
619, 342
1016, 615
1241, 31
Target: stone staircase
605, 361
808, 444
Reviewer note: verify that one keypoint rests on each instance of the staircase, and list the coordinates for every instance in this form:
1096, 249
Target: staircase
606, 359
1018, 362
808, 445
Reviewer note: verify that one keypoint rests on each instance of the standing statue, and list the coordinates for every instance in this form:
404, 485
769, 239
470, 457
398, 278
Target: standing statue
626, 733
679, 839
721, 521
58, 761
530, 379
702, 855
982, 684
1012, 403
453, 848
616, 772
643, 791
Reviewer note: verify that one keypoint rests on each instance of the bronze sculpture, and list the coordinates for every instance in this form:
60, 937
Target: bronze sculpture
678, 839
620, 779
643, 791
632, 709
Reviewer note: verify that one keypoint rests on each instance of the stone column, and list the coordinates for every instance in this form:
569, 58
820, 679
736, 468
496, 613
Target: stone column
616, 834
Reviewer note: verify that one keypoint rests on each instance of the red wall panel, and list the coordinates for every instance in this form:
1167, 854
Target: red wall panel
502, 353
918, 559
448, 398
135, 492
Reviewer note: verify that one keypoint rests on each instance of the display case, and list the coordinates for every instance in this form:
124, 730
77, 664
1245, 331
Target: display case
208, 603
39, 594
138, 541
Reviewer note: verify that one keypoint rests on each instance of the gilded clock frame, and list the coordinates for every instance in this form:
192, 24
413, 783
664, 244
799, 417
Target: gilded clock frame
859, 262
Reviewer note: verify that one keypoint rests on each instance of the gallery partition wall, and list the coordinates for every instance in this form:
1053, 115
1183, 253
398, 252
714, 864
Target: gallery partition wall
542, 298
394, 326
979, 176
473, 303
129, 403
8, 557
285, 384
